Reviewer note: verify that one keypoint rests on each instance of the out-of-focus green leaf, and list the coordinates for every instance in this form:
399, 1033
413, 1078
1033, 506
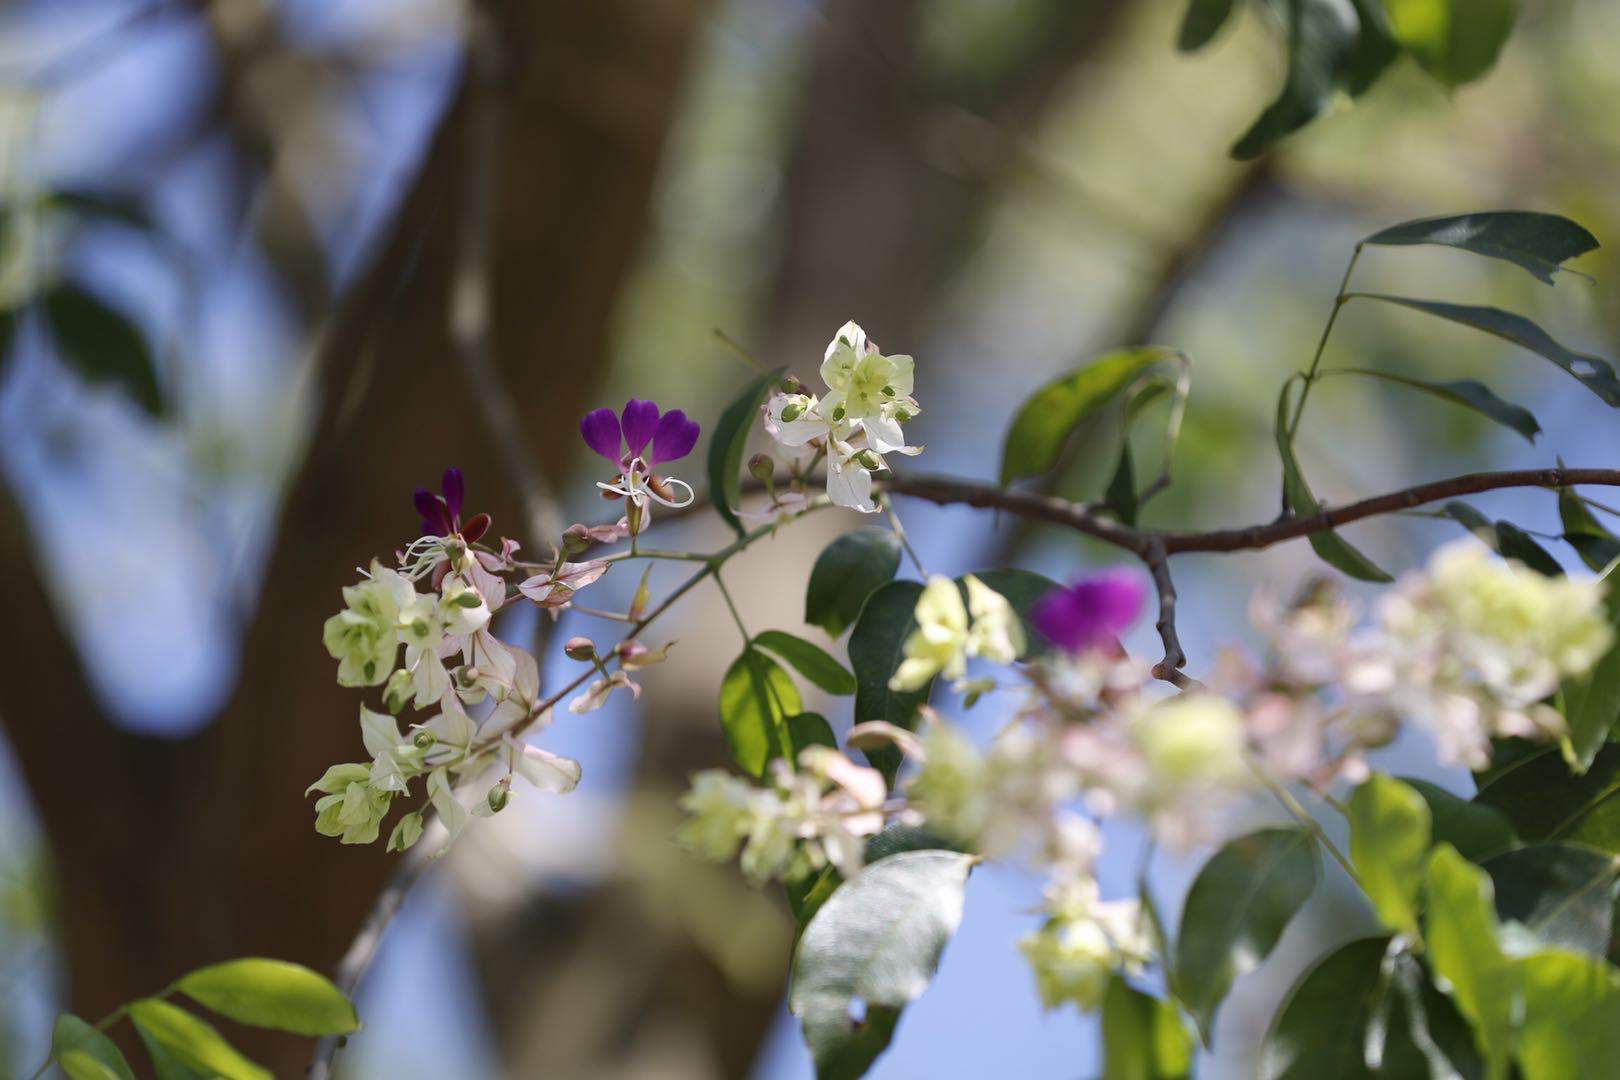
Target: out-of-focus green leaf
1236, 910
1389, 841
1474, 829
273, 994
876, 647
1460, 930
728, 442
1562, 893
1505, 538
85, 1053
1465, 392
1596, 546
121, 208
1044, 424
1334, 47
810, 729
756, 698
846, 572
1540, 243
877, 941
1121, 494
1571, 1017
808, 660
1321, 1031
1594, 372
194, 1043
1547, 801
1456, 41
1328, 545
1143, 1036
101, 343
1592, 702
894, 839
1202, 22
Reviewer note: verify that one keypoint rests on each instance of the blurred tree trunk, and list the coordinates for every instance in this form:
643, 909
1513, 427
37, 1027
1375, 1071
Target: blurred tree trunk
169, 854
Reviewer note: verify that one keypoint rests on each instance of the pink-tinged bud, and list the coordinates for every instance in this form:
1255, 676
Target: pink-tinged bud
762, 468
630, 650
580, 648
643, 596
576, 539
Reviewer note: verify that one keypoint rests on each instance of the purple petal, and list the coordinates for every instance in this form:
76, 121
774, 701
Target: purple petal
675, 437
1093, 612
601, 432
640, 422
454, 489
431, 507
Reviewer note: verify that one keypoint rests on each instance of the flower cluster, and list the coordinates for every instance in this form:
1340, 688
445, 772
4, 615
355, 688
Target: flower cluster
855, 422
945, 637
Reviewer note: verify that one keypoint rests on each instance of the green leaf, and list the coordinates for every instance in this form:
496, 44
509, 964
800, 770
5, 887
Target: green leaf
1460, 929
1328, 545
1456, 41
1465, 392
85, 1053
893, 840
273, 994
875, 650
1121, 494
194, 1043
1143, 1036
1571, 1017
1236, 910
1596, 546
877, 941
1505, 538
1594, 372
849, 570
1050, 416
1202, 22
756, 698
1389, 841
1546, 801
101, 343
1592, 702
808, 660
1564, 894
810, 729
122, 208
1540, 243
1334, 47
1474, 829
728, 442
1023, 589
1321, 1031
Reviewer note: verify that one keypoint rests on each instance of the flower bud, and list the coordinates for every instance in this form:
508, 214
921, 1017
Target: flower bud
399, 691
903, 415
580, 648
499, 796
575, 540
791, 385
762, 468
425, 739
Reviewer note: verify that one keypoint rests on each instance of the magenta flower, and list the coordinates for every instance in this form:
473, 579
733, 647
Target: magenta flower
441, 514
623, 439
1093, 612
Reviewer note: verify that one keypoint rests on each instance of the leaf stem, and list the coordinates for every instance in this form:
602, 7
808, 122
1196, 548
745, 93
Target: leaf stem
1306, 821
1321, 346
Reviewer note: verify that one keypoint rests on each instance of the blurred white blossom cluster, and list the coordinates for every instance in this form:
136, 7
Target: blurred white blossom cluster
1466, 650
853, 424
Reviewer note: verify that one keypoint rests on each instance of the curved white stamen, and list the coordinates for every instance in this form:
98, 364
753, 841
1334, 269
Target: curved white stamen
690, 494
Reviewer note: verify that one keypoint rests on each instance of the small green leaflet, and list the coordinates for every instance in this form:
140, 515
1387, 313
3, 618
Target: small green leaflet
727, 443
1332, 548
808, 660
756, 698
1540, 243
1468, 393
846, 572
1456, 41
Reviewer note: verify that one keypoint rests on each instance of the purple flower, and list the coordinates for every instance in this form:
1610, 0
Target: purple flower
441, 514
1092, 613
623, 438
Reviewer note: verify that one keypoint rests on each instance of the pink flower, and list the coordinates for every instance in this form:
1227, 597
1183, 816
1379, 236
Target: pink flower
1092, 613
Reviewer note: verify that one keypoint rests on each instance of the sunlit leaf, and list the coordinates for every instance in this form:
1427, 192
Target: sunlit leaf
1044, 424
1143, 1036
808, 660
194, 1043
1328, 545
756, 698
1389, 841
1460, 931
1540, 243
1456, 41
846, 572
1594, 372
876, 941
1236, 911
729, 441
273, 994
85, 1053
1571, 1017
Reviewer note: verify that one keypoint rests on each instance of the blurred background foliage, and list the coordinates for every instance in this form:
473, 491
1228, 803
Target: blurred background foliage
230, 235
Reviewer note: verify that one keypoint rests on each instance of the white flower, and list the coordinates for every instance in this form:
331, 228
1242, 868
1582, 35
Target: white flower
1192, 739
952, 789
364, 637
861, 380
1083, 943
997, 633
463, 607
719, 809
596, 695
944, 638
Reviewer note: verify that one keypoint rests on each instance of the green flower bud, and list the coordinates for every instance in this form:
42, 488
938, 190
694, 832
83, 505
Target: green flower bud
499, 796
576, 540
791, 385
762, 468
425, 739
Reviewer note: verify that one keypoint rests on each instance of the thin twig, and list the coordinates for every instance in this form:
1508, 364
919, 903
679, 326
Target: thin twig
1169, 668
